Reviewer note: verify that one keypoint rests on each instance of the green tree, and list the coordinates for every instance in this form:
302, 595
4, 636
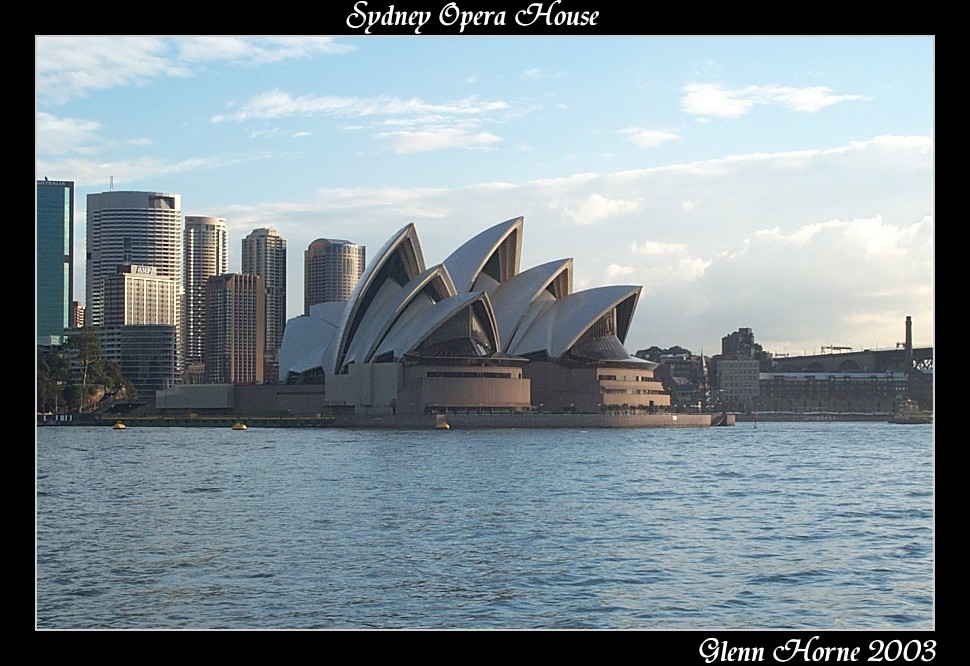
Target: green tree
55, 390
73, 397
53, 374
88, 348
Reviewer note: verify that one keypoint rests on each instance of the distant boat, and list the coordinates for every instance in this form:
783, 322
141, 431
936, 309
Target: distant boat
909, 412
119, 425
441, 423
239, 425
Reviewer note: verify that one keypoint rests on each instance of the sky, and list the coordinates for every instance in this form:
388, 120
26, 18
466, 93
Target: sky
783, 184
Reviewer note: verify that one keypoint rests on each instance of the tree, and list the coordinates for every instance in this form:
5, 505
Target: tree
53, 374
654, 353
88, 348
55, 390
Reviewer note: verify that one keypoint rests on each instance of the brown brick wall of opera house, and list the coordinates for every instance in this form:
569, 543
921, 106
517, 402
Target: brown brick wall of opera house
446, 388
557, 388
440, 389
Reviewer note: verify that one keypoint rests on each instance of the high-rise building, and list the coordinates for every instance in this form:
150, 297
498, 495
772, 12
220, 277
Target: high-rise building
206, 253
264, 254
138, 295
331, 269
54, 288
740, 344
77, 315
145, 354
125, 228
235, 335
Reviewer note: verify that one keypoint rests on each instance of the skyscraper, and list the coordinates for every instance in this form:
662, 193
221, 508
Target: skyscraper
137, 295
235, 329
140, 327
77, 315
331, 269
206, 254
123, 228
54, 258
264, 254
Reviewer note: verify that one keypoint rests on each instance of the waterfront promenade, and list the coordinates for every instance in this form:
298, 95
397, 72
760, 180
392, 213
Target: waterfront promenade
418, 421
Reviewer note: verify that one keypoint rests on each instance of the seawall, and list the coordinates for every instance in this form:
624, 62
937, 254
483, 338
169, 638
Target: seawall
421, 421
479, 421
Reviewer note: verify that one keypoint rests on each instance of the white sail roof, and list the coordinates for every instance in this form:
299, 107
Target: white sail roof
305, 340
560, 323
434, 284
514, 299
497, 250
398, 305
399, 259
416, 330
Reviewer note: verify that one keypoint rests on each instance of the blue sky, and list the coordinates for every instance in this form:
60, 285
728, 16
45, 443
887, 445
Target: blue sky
784, 184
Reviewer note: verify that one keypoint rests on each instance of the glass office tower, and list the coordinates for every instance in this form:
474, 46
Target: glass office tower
54, 261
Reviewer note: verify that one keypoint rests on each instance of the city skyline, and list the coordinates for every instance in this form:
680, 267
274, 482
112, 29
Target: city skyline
783, 184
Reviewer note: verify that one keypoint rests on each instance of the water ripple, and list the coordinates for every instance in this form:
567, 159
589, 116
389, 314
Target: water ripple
777, 527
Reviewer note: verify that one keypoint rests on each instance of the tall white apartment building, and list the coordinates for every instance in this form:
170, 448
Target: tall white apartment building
235, 329
138, 295
331, 269
264, 254
206, 253
130, 228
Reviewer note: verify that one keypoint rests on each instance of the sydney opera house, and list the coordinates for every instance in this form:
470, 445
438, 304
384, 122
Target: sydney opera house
473, 333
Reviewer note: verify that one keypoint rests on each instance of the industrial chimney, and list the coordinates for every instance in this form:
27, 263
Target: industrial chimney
909, 343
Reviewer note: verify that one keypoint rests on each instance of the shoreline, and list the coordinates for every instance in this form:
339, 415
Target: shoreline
417, 421
466, 420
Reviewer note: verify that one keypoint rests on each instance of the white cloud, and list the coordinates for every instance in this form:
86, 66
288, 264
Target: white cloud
410, 125
846, 282
280, 104
87, 173
64, 136
664, 266
880, 241
257, 50
540, 74
69, 66
655, 249
711, 99
649, 138
805, 100
417, 142
615, 271
597, 208
265, 133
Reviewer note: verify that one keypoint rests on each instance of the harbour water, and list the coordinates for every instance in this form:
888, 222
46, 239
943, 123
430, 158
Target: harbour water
760, 526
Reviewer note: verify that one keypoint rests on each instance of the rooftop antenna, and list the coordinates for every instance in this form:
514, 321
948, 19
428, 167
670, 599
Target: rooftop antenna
111, 183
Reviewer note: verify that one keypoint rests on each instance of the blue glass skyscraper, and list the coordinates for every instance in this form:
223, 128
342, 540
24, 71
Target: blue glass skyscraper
54, 258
